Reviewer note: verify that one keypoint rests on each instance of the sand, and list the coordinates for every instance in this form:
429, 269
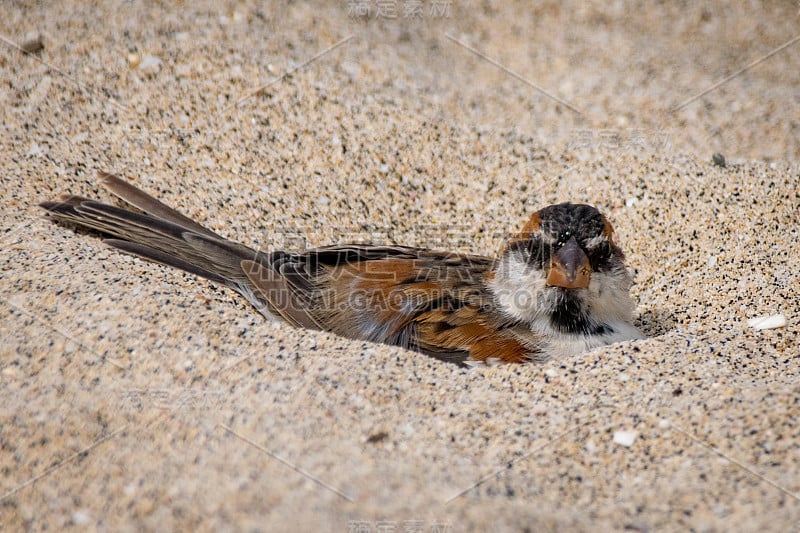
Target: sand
138, 397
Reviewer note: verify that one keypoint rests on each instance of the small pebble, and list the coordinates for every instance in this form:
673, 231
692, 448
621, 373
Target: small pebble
32, 44
80, 517
150, 64
134, 59
767, 322
378, 436
129, 489
625, 438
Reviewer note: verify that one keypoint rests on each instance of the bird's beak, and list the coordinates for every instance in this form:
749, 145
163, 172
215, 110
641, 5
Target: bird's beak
569, 268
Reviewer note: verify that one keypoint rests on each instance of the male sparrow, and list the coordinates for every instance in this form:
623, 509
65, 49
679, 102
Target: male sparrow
559, 286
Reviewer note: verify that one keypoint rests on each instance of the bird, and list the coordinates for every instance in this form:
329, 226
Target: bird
558, 287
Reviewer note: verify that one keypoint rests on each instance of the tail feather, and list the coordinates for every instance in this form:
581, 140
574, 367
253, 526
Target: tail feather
167, 259
161, 234
138, 198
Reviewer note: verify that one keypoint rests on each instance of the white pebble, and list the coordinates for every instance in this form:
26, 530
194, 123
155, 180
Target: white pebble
625, 438
150, 64
134, 59
767, 322
80, 517
129, 489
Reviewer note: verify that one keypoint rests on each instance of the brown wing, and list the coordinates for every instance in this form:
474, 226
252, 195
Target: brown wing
433, 302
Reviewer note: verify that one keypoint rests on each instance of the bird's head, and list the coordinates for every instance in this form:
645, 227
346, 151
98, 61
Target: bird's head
563, 272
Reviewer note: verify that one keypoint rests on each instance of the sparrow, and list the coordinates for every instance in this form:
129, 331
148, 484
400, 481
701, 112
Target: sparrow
558, 287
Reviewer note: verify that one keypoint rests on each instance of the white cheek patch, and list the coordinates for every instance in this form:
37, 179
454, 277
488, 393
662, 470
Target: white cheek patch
518, 287
609, 296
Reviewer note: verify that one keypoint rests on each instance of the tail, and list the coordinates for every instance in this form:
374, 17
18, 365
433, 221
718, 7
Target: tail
269, 281
159, 233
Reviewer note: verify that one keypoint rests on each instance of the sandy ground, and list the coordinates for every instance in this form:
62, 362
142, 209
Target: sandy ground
136, 397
